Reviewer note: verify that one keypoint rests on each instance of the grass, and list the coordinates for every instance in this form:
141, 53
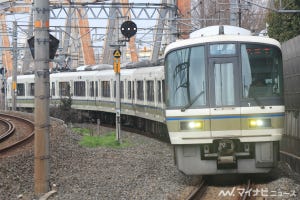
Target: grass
106, 140
82, 131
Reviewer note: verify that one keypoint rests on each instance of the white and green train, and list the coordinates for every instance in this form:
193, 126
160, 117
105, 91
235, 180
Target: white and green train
93, 95
220, 95
224, 101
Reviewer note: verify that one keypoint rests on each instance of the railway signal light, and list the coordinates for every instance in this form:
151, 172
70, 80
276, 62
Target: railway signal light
3, 71
128, 29
3, 86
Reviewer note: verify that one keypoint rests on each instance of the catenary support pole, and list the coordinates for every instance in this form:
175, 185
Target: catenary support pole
42, 93
15, 67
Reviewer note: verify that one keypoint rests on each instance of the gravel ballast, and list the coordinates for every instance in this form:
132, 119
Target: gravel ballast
144, 170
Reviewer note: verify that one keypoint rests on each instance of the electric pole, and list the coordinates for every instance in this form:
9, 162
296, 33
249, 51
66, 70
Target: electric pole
15, 67
42, 94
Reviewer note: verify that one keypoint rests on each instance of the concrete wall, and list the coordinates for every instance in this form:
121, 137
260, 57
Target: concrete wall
291, 73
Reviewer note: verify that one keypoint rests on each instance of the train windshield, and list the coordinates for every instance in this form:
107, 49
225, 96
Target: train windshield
261, 71
186, 78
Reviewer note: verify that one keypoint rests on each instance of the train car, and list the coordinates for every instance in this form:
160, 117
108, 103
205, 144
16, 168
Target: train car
24, 91
224, 101
141, 91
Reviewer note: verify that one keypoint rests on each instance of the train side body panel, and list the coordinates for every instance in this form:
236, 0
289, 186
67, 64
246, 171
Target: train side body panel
95, 91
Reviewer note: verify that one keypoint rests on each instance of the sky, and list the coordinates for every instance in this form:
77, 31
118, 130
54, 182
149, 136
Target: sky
144, 34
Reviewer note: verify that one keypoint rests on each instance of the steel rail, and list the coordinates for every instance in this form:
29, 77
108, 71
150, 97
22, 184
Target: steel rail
247, 192
28, 138
9, 131
198, 192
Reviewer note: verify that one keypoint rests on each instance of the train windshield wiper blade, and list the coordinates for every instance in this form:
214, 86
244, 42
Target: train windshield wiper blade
192, 102
258, 102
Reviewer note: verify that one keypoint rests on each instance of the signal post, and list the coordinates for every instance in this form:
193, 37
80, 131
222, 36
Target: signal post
117, 69
128, 29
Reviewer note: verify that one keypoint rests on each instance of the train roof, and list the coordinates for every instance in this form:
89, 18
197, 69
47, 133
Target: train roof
217, 30
149, 70
23, 77
100, 73
106, 72
91, 73
221, 38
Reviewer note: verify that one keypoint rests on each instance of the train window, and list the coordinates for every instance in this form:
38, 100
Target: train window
163, 90
121, 89
20, 89
185, 78
159, 91
64, 88
79, 88
53, 89
261, 71
93, 88
150, 90
115, 89
133, 90
105, 88
222, 49
140, 90
224, 84
31, 89
96, 89
129, 89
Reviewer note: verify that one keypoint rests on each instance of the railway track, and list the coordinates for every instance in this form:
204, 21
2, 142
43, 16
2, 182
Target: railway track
21, 132
245, 192
197, 192
225, 189
242, 192
6, 129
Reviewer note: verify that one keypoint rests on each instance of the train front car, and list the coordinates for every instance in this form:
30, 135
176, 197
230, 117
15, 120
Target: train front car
224, 103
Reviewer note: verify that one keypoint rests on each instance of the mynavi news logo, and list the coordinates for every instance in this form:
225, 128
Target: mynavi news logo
256, 192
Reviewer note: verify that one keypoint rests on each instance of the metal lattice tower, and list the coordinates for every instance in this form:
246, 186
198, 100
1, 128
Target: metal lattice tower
158, 24
64, 16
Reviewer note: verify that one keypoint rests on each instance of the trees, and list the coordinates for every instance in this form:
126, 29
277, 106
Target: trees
284, 26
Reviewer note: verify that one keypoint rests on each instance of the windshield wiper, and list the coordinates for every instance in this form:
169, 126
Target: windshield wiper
258, 102
192, 102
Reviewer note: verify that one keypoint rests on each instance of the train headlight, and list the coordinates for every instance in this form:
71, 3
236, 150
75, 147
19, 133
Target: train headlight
192, 125
259, 123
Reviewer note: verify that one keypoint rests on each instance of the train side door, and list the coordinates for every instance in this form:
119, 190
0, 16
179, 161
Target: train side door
224, 97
